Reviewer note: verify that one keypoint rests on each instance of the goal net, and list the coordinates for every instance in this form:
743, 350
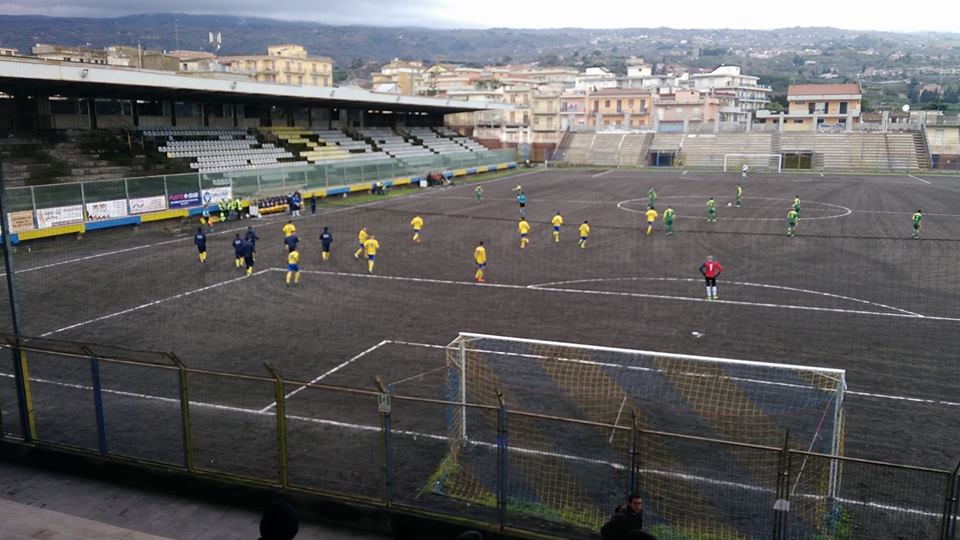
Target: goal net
568, 462
755, 162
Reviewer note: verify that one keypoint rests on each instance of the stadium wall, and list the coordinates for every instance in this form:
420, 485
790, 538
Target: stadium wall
193, 211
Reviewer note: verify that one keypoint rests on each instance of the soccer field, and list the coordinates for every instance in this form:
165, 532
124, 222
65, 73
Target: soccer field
851, 291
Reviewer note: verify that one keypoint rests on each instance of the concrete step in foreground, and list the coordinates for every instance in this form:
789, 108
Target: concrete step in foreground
25, 521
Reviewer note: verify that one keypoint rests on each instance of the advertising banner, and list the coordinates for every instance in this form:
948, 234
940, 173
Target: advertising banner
148, 204
213, 196
20, 221
62, 215
183, 200
99, 211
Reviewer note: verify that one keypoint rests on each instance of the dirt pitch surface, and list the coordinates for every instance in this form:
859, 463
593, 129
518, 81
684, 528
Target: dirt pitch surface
852, 290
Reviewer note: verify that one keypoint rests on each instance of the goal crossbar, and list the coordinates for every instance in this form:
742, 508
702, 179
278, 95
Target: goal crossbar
734, 162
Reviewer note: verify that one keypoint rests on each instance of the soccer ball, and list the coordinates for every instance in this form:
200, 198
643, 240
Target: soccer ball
729, 204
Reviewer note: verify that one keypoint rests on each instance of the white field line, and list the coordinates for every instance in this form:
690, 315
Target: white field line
920, 179
155, 302
598, 175
843, 210
327, 373
519, 450
908, 315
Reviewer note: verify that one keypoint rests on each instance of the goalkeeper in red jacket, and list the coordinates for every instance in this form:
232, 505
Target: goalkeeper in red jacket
711, 269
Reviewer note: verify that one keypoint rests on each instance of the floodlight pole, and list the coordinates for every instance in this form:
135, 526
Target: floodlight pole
25, 427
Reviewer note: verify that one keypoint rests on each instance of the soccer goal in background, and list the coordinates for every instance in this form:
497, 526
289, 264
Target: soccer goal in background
756, 162
570, 452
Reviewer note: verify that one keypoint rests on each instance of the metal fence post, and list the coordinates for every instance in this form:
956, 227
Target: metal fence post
948, 521
781, 506
634, 454
184, 413
502, 462
281, 422
97, 399
384, 407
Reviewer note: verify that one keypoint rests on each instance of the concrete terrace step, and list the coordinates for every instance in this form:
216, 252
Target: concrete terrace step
25, 521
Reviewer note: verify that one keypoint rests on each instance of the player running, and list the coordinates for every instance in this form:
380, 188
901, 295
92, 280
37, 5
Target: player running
478, 193
417, 224
292, 242
522, 201
557, 221
668, 221
791, 222
200, 239
917, 223
480, 257
711, 210
711, 269
248, 251
361, 239
651, 197
524, 227
796, 206
293, 267
739, 195
370, 246
289, 229
651, 219
238, 250
325, 240
584, 234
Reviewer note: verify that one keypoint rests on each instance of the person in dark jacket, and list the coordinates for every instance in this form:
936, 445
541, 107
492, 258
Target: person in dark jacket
279, 522
626, 520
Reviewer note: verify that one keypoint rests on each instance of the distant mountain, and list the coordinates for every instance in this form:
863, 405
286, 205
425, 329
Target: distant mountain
780, 56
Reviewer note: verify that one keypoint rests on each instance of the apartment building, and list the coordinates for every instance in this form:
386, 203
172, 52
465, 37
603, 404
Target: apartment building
676, 109
620, 108
284, 64
817, 107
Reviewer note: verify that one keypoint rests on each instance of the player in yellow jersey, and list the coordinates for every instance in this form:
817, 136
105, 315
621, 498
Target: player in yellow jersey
417, 224
584, 233
289, 229
557, 221
651, 219
524, 228
361, 238
480, 257
293, 267
370, 247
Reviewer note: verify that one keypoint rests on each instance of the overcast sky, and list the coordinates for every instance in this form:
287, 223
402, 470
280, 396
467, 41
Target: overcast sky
938, 15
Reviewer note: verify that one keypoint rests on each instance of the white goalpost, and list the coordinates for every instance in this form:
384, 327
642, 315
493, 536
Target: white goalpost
755, 162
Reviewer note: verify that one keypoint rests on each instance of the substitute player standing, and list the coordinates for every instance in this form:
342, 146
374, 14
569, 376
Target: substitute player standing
584, 234
200, 239
668, 221
478, 193
651, 219
711, 210
557, 221
791, 222
361, 238
711, 270
325, 240
524, 228
480, 257
293, 267
917, 222
248, 251
370, 247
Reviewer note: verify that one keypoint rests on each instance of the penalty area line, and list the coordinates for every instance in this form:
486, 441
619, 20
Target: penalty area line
150, 304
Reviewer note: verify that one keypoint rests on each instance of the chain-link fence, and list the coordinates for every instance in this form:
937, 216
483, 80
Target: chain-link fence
513, 469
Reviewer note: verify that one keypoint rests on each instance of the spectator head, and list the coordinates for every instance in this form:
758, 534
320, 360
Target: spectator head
471, 535
635, 503
279, 522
